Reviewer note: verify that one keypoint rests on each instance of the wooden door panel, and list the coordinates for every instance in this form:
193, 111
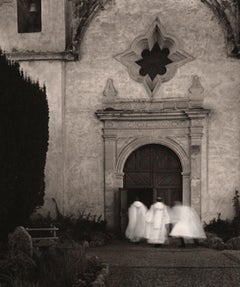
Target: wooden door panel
138, 179
164, 159
155, 166
143, 159
167, 179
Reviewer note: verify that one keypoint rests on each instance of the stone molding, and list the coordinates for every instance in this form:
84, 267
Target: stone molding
138, 142
41, 56
194, 100
113, 116
146, 123
143, 104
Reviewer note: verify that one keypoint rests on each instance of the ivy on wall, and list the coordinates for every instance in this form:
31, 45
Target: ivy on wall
228, 14
81, 14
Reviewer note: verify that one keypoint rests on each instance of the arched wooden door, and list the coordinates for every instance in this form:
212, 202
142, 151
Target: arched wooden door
150, 171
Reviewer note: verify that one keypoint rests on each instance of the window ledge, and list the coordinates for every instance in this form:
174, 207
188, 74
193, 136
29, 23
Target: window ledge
43, 56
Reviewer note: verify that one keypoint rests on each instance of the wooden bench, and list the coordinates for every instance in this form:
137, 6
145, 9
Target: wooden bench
50, 238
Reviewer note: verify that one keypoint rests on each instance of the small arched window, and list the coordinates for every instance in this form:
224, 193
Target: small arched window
29, 16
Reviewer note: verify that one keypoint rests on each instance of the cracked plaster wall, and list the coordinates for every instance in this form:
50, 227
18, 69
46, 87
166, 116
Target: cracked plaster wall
50, 39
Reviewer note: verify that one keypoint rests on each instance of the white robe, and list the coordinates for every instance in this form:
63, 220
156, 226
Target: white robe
186, 222
136, 221
157, 219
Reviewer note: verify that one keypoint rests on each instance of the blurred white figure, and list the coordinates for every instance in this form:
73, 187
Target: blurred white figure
186, 223
135, 230
157, 220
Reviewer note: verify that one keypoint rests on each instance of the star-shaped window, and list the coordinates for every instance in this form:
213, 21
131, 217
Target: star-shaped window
154, 62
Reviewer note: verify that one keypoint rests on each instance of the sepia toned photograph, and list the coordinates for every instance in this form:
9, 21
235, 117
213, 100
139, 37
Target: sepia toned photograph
119, 143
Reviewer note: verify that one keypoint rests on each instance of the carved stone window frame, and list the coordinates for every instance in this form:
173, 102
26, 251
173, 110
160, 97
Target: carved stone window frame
155, 34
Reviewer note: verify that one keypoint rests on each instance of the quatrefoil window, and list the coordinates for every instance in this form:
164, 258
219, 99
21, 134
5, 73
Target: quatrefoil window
154, 62
153, 58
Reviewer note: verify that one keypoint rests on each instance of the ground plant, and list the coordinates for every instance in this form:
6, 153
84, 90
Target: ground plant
224, 228
56, 266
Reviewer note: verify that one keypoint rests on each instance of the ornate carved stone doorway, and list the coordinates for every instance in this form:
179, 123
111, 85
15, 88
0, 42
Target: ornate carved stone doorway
178, 125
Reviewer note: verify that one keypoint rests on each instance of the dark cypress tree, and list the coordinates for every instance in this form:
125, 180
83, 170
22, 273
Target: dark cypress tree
23, 145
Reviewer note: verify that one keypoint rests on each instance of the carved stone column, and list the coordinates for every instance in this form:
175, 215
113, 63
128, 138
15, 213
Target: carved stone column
196, 178
186, 188
196, 133
109, 180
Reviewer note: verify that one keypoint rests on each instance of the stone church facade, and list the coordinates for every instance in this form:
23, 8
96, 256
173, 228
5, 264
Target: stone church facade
122, 125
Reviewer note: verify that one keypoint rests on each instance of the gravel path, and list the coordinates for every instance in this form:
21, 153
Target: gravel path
145, 266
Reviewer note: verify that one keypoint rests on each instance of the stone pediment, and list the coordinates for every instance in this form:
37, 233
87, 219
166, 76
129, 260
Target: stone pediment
113, 102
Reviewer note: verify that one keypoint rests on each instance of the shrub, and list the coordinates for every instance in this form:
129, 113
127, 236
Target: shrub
236, 219
23, 145
78, 228
53, 266
222, 228
60, 266
93, 267
20, 241
236, 204
15, 268
226, 229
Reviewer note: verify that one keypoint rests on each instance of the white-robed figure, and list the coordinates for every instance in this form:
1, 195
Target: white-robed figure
157, 220
135, 230
186, 223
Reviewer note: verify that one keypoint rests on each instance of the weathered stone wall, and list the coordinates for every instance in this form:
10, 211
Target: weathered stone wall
52, 75
111, 33
50, 39
74, 171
